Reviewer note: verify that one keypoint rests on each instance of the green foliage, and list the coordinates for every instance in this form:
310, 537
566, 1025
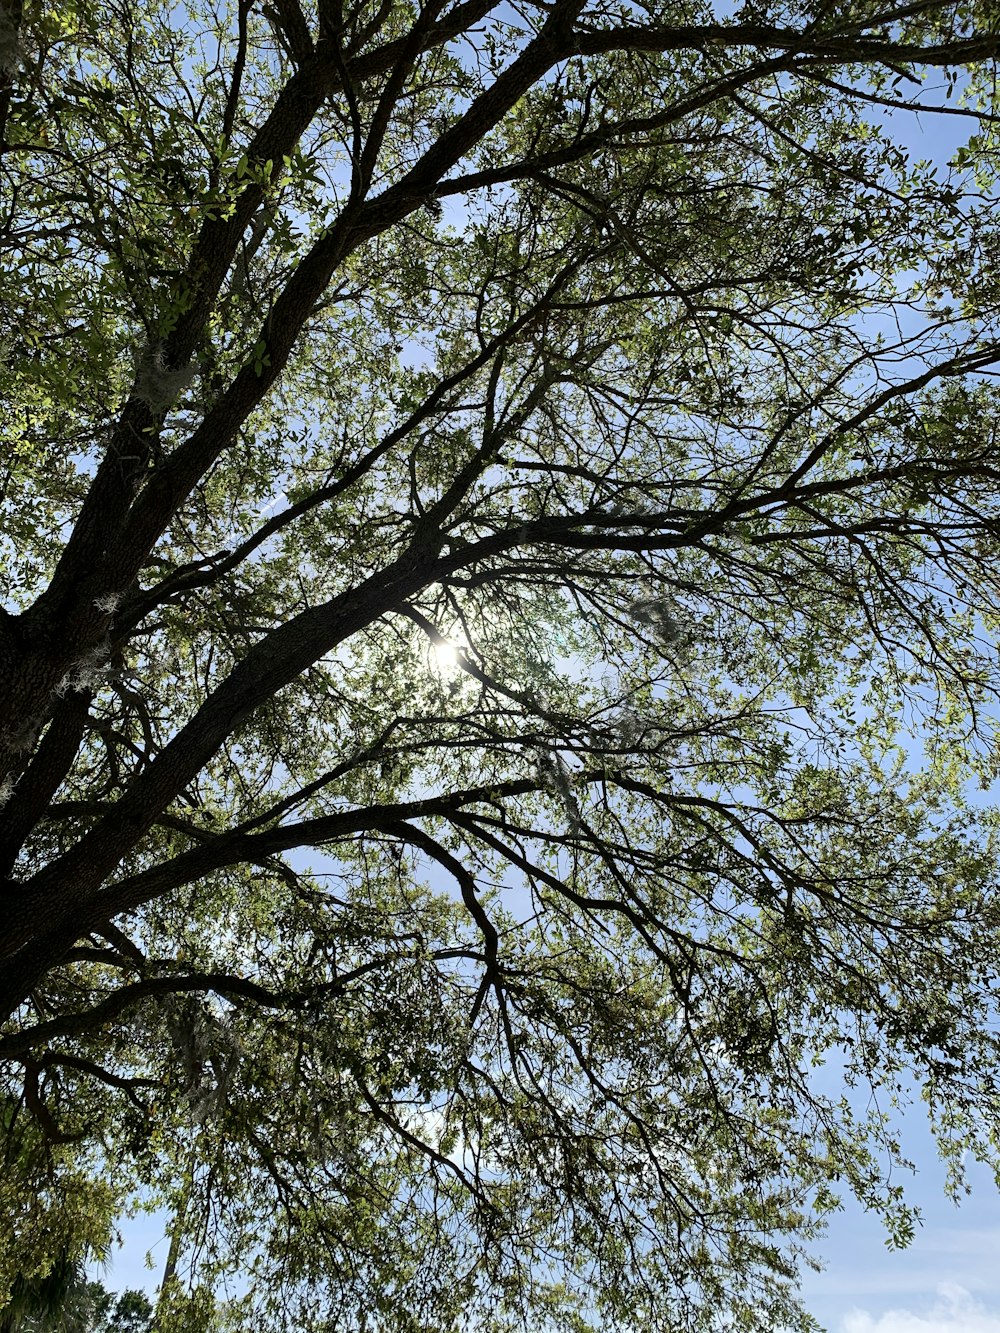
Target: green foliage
499, 560
66, 1301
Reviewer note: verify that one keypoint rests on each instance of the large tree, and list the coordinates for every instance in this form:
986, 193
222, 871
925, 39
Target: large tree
499, 560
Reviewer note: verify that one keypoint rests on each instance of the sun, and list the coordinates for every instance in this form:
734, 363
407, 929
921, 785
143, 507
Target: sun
445, 654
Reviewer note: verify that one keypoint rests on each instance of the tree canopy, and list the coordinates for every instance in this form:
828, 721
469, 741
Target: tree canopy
500, 579
65, 1300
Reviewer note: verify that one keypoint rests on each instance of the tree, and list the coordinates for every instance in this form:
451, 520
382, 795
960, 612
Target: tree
61, 1298
500, 548
67, 1301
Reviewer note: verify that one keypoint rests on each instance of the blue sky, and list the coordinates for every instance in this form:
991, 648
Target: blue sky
948, 1280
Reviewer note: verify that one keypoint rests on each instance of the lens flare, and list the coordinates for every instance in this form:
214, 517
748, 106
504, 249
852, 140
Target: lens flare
445, 654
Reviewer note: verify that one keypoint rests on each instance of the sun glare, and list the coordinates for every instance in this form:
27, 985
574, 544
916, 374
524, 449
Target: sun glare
445, 654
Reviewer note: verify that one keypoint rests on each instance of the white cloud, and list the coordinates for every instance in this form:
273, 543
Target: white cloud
955, 1311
